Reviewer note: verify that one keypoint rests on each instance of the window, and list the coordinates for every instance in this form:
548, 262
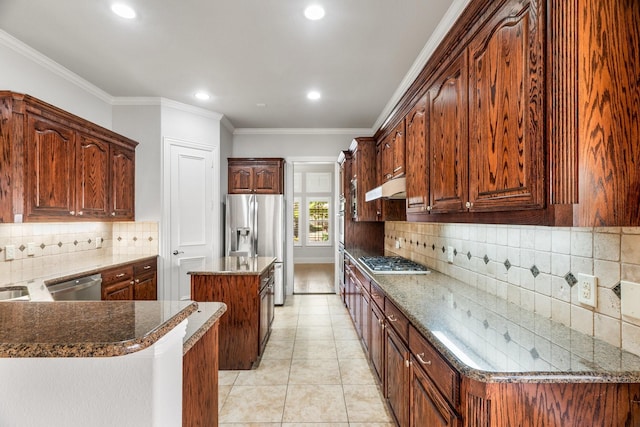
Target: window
318, 215
296, 221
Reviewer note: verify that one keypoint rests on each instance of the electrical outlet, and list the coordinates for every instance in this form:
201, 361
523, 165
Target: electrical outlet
450, 254
31, 249
9, 252
98, 242
588, 289
398, 244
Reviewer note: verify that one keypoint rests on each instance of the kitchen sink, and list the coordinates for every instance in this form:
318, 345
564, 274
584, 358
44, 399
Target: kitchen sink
14, 293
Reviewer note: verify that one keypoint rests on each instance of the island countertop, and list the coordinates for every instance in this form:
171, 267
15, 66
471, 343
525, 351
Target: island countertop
86, 328
489, 339
207, 314
236, 265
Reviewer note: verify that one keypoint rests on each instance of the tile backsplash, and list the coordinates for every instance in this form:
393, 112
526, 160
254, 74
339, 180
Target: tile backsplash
57, 245
535, 268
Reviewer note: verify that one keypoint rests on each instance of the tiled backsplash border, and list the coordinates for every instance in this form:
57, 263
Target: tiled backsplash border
57, 245
535, 268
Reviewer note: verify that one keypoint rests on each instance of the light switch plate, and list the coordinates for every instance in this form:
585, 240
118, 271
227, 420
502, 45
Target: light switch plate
630, 299
98, 242
588, 289
31, 249
450, 254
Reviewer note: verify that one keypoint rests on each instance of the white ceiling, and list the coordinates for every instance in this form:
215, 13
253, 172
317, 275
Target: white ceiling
244, 52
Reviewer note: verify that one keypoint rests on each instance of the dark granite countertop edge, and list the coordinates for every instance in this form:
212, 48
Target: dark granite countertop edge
503, 377
202, 329
101, 349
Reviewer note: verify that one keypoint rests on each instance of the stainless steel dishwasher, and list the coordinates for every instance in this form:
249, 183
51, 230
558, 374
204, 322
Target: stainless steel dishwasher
86, 288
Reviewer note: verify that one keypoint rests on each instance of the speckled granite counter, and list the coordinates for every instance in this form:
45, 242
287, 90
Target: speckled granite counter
207, 314
86, 329
491, 340
236, 265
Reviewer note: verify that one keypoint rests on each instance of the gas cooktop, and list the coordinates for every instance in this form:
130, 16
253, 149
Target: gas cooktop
392, 265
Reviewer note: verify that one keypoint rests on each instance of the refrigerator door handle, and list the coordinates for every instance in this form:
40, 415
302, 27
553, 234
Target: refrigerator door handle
256, 207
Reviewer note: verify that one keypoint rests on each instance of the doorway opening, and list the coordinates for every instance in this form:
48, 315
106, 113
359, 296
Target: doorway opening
313, 228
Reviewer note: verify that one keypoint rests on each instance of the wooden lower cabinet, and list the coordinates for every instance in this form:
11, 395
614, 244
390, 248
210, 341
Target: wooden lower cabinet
396, 377
376, 346
137, 281
428, 407
200, 382
245, 328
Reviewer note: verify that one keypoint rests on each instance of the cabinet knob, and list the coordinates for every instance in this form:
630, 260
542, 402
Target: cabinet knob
72, 212
137, 280
469, 204
80, 213
131, 282
113, 214
429, 207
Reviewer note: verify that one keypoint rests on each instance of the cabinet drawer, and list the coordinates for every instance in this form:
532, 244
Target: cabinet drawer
397, 320
115, 275
444, 376
377, 295
363, 279
266, 278
145, 267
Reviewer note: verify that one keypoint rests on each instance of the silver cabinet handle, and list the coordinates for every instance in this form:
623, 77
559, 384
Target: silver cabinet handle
119, 275
392, 318
72, 212
424, 362
113, 214
429, 207
469, 204
80, 213
146, 267
177, 252
406, 363
397, 169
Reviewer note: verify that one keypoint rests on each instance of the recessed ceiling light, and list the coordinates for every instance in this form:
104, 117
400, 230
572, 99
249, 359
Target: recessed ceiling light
123, 11
314, 12
203, 96
313, 95
261, 105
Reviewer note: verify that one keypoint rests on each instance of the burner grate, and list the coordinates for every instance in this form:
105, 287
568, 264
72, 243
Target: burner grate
392, 265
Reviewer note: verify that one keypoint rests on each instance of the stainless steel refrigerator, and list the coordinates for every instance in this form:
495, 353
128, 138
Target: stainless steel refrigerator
254, 226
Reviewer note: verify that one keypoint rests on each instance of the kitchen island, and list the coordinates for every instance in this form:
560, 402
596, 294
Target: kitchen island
99, 363
445, 350
245, 285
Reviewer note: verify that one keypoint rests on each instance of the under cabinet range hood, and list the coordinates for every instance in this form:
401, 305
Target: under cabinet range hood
393, 189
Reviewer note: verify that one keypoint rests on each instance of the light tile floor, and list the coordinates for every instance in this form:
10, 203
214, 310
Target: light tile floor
313, 279
313, 373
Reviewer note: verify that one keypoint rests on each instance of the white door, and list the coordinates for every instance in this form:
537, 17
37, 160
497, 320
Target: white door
191, 218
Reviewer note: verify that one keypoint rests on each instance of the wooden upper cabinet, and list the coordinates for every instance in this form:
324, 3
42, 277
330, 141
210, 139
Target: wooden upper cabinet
416, 162
385, 162
260, 176
92, 175
122, 183
61, 167
363, 160
398, 143
50, 169
448, 138
506, 107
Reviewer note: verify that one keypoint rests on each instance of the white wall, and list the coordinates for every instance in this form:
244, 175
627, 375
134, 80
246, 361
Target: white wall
143, 124
289, 144
26, 71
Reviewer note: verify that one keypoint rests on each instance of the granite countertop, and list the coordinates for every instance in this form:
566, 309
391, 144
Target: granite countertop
86, 328
207, 314
236, 265
490, 339
81, 267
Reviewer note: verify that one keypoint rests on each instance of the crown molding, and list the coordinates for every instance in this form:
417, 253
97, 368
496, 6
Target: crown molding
227, 124
304, 131
441, 30
30, 53
165, 102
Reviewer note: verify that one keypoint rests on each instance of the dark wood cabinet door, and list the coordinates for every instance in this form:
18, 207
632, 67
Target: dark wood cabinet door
428, 408
386, 155
122, 183
266, 179
366, 320
118, 291
92, 178
376, 347
448, 139
506, 111
50, 170
416, 162
397, 377
145, 287
398, 145
240, 179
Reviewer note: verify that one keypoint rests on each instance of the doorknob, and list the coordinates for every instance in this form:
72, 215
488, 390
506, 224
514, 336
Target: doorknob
176, 252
